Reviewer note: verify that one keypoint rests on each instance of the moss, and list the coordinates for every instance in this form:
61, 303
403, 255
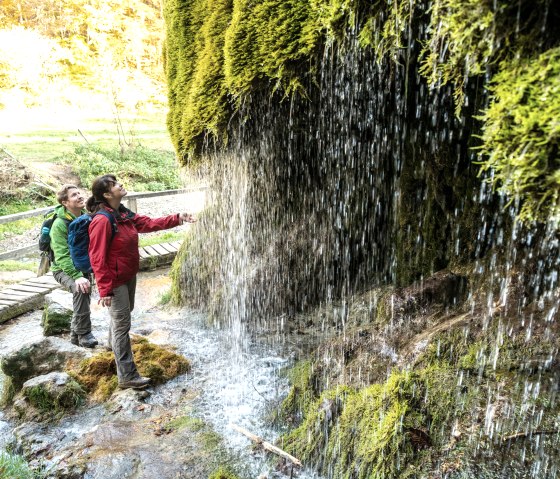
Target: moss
223, 473
178, 423
98, 374
302, 392
55, 321
175, 271
401, 427
70, 397
470, 37
369, 431
8, 391
521, 135
387, 22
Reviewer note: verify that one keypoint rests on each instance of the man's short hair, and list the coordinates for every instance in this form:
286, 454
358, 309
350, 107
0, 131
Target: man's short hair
62, 194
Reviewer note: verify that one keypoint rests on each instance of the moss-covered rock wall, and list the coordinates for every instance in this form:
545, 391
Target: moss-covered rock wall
357, 130
219, 52
355, 148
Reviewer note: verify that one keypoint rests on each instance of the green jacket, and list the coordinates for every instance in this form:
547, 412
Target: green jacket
59, 243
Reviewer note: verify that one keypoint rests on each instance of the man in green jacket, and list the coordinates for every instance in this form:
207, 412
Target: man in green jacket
72, 205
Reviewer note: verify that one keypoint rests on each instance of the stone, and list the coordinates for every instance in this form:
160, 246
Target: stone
52, 393
40, 357
443, 288
57, 314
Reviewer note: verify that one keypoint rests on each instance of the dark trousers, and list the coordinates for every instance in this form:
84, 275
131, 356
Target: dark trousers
119, 339
81, 319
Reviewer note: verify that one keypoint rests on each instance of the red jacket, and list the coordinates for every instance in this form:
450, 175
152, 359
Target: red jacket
115, 262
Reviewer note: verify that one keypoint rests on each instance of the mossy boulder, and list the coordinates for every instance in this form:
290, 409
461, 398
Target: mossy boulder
55, 391
40, 357
98, 374
57, 314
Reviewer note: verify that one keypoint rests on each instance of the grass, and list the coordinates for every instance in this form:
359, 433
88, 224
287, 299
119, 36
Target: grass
13, 466
167, 237
19, 227
12, 265
48, 144
165, 297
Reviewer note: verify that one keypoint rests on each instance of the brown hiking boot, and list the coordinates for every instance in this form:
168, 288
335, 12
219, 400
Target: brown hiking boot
138, 383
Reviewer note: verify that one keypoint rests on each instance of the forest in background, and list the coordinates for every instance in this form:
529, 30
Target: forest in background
91, 54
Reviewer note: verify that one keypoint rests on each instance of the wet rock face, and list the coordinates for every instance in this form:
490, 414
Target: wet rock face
57, 314
444, 289
122, 449
40, 357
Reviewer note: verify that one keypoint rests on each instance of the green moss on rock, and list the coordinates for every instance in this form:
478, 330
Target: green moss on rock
223, 473
56, 319
54, 392
98, 374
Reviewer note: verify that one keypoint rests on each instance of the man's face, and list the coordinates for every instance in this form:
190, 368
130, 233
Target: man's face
75, 201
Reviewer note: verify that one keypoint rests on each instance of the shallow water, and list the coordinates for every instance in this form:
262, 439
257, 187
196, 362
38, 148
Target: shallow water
228, 383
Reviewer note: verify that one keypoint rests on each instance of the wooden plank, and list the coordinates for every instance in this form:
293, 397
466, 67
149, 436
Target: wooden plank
5, 302
151, 251
41, 286
48, 286
143, 253
177, 244
30, 304
162, 251
25, 214
42, 279
30, 289
11, 293
27, 251
169, 248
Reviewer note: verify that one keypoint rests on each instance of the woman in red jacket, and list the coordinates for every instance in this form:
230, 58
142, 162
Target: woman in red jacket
115, 261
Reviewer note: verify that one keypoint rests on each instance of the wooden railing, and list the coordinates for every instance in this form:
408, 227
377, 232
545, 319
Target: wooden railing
130, 199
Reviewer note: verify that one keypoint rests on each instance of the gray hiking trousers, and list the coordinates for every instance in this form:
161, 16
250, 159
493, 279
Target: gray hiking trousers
81, 319
119, 339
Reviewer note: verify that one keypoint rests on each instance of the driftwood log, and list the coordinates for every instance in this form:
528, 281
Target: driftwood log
266, 445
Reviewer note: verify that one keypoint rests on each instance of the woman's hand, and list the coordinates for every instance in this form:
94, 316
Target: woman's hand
186, 218
106, 301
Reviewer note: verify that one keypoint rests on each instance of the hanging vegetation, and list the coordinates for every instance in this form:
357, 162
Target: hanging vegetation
215, 60
521, 136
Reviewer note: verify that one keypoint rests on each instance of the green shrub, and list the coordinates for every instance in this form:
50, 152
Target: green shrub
139, 168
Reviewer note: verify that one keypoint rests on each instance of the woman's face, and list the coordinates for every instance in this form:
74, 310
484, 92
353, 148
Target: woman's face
117, 190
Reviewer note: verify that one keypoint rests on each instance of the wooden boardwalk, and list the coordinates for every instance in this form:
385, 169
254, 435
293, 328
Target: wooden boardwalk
29, 294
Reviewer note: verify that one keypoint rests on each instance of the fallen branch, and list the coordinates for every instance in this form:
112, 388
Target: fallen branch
522, 435
266, 445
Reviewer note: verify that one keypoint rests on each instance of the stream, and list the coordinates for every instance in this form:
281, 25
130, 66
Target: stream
233, 380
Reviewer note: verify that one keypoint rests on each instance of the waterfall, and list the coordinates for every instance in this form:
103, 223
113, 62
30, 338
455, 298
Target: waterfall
357, 208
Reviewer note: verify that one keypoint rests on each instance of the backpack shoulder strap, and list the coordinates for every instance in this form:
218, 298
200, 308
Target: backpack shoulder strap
111, 219
66, 220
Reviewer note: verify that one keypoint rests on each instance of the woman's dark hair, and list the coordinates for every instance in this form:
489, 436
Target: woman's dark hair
100, 186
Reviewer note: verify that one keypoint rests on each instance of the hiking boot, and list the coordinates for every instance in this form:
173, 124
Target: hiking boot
74, 339
138, 383
87, 340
